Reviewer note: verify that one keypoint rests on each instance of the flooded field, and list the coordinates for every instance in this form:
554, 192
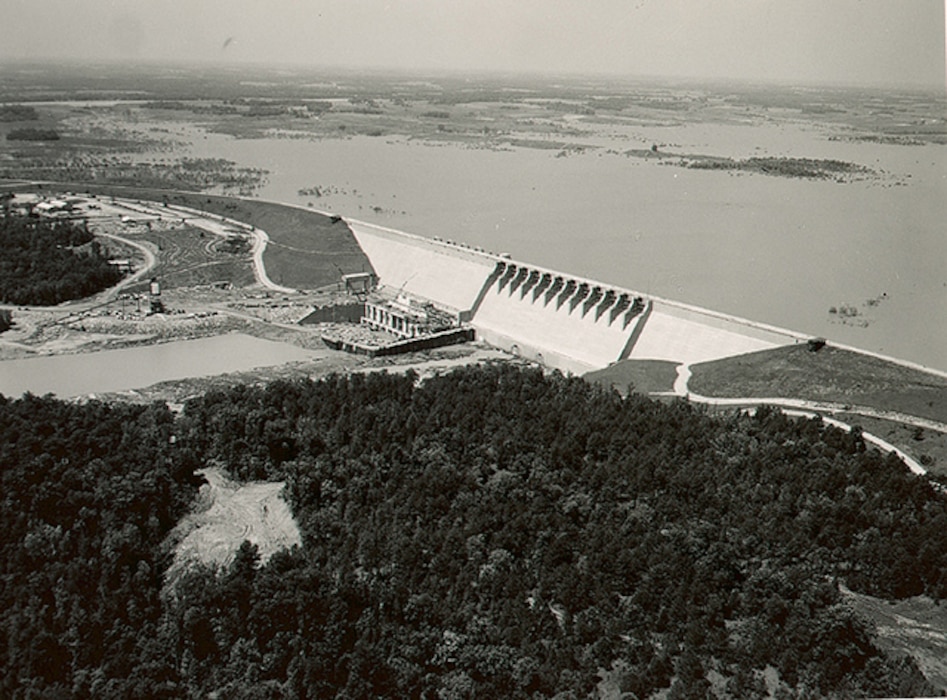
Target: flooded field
699, 193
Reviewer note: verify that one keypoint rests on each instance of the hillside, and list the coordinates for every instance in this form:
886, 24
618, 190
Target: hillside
491, 532
45, 262
831, 374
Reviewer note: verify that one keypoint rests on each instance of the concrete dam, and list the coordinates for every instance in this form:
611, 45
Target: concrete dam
560, 320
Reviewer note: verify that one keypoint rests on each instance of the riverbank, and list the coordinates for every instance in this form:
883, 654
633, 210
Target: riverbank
842, 376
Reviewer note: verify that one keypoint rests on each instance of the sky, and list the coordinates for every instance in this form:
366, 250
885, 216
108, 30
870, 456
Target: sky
859, 42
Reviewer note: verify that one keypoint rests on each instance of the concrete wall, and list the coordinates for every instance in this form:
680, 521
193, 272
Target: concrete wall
429, 342
446, 274
681, 333
453, 336
562, 321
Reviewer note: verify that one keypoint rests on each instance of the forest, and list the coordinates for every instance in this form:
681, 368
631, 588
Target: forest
491, 532
31, 134
17, 113
46, 261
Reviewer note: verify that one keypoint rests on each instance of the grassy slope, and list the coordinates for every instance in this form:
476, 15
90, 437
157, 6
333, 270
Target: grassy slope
927, 446
307, 250
831, 375
644, 376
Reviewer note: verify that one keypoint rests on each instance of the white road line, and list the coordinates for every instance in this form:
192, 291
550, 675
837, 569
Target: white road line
812, 409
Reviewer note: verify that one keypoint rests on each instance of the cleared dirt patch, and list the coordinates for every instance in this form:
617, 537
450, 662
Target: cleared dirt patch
189, 256
229, 512
915, 626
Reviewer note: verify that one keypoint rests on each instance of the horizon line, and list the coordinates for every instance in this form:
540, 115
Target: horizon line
454, 71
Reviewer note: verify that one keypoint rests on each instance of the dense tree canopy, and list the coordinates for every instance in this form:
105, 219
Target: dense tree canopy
493, 532
46, 261
89, 494
31, 134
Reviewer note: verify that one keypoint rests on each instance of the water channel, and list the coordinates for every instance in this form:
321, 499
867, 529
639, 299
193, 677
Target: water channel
106, 371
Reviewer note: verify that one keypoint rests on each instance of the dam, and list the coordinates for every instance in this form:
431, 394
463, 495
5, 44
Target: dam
559, 320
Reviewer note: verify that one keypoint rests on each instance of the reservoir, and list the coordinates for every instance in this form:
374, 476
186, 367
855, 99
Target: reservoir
132, 368
778, 250
861, 262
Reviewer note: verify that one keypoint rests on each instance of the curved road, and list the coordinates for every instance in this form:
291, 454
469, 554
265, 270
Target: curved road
101, 299
150, 262
803, 407
120, 208
216, 225
212, 223
105, 296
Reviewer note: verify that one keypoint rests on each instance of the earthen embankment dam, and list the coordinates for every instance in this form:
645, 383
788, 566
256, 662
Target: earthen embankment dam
560, 320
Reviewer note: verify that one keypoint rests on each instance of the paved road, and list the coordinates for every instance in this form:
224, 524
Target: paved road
802, 407
212, 223
101, 299
223, 226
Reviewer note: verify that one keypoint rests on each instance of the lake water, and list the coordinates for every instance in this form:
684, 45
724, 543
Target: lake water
132, 368
777, 250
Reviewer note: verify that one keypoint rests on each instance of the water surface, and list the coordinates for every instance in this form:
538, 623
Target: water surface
132, 368
773, 249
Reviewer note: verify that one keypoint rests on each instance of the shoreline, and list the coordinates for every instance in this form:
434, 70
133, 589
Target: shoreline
670, 303
449, 248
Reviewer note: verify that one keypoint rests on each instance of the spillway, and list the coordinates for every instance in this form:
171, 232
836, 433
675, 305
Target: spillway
563, 322
560, 320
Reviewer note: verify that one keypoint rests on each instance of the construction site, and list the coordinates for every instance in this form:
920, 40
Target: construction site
365, 296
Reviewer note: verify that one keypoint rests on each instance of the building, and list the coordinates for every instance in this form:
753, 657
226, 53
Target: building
359, 282
407, 317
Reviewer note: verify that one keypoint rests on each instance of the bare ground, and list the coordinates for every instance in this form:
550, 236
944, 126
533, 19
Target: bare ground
226, 514
915, 626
